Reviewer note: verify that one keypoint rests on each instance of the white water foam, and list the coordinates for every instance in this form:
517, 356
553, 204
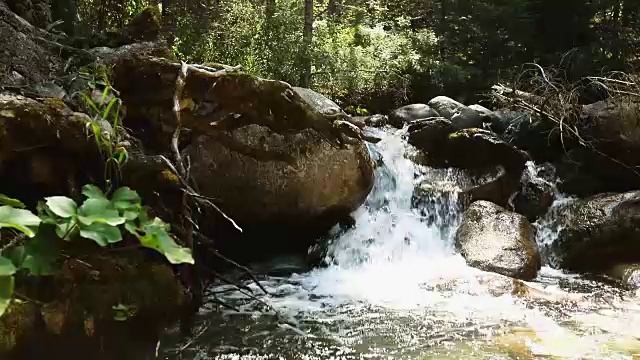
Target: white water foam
394, 264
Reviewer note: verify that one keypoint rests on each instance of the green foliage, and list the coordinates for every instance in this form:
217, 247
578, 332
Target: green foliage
105, 124
99, 219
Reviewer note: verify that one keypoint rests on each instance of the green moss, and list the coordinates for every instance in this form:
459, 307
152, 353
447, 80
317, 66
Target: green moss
465, 133
106, 281
16, 323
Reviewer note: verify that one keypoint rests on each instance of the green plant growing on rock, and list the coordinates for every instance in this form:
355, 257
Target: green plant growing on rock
104, 105
99, 219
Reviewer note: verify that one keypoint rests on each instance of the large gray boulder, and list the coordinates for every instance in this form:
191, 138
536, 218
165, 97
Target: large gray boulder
305, 182
461, 116
406, 114
597, 233
493, 239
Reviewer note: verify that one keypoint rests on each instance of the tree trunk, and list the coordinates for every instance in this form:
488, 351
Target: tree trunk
269, 9
307, 41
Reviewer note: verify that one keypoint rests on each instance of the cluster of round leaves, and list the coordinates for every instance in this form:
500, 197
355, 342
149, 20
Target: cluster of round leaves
99, 219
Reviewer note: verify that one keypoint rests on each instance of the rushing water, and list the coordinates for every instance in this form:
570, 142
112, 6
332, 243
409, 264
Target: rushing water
394, 288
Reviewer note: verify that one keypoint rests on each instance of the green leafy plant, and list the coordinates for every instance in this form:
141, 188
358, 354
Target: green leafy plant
100, 219
104, 106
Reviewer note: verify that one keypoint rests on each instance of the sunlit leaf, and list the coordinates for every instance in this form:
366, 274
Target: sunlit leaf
156, 237
5, 200
93, 192
19, 219
125, 198
99, 211
62, 206
103, 234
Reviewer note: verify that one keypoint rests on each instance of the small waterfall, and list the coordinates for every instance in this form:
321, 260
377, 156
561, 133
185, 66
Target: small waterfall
390, 227
395, 288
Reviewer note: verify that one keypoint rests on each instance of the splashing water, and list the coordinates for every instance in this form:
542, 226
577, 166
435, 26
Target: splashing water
396, 289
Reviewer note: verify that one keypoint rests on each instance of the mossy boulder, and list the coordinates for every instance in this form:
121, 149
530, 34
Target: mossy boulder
272, 156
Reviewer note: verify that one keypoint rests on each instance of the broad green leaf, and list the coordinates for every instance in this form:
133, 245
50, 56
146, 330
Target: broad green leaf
5, 200
125, 199
93, 192
156, 237
6, 267
7, 284
99, 211
62, 206
41, 255
19, 219
132, 228
102, 234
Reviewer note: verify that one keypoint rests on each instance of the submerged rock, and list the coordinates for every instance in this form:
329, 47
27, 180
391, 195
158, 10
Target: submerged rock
406, 114
599, 232
493, 239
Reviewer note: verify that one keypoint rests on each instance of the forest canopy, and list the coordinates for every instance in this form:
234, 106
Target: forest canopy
375, 54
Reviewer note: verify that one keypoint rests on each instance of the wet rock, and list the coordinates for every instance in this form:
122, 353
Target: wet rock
628, 274
596, 233
406, 114
534, 198
429, 135
497, 186
377, 120
493, 239
477, 149
436, 200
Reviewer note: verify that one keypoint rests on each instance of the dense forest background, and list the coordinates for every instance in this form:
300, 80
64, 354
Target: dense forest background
372, 55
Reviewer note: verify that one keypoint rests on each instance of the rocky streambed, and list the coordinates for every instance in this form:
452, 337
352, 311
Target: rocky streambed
446, 218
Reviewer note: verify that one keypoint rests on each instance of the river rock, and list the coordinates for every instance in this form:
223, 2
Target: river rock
534, 198
477, 149
429, 135
327, 184
597, 233
493, 239
406, 114
377, 120
461, 116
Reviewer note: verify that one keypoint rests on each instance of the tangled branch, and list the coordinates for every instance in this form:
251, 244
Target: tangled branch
547, 93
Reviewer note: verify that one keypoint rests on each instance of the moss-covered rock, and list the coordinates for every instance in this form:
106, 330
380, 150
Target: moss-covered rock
17, 324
